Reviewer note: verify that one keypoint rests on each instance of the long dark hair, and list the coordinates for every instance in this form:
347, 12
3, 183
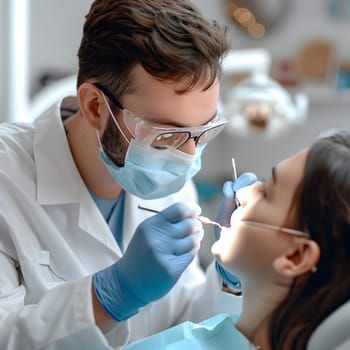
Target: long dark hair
323, 202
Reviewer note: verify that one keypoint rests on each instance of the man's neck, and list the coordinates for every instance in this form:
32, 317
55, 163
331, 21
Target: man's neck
82, 140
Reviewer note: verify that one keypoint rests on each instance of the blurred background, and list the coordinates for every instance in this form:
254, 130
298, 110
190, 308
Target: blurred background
301, 46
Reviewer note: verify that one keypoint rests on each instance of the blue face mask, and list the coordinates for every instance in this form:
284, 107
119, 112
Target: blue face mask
150, 173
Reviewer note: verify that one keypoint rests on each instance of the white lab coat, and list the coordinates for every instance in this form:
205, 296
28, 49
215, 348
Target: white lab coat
53, 238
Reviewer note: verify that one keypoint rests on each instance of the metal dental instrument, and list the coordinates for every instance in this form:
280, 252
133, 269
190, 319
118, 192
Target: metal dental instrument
148, 209
207, 221
235, 178
201, 218
234, 169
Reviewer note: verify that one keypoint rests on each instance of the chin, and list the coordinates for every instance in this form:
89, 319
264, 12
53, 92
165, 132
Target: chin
215, 250
218, 250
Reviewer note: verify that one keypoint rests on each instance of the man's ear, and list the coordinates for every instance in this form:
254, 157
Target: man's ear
92, 105
300, 258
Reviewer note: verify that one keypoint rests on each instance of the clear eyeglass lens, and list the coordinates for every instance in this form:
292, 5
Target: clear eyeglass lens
203, 138
210, 134
174, 139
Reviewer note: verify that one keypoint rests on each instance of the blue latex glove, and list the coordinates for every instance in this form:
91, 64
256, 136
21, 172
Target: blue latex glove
160, 250
227, 206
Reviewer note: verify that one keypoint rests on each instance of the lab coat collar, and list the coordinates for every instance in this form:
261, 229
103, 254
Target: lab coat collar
58, 179
57, 175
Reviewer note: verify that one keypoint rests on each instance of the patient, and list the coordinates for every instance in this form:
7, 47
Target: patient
289, 244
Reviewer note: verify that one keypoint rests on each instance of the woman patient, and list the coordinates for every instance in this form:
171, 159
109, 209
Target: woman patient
289, 244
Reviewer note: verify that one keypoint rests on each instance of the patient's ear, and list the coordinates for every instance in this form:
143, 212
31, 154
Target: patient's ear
91, 104
300, 258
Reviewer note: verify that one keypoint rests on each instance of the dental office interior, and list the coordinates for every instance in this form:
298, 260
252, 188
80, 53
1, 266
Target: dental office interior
285, 80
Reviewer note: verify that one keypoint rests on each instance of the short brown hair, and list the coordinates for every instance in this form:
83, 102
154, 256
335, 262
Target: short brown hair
169, 38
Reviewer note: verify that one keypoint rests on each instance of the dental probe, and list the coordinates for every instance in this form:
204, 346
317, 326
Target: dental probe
235, 178
234, 169
201, 218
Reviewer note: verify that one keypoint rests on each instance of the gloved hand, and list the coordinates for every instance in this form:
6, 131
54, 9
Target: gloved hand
160, 250
227, 206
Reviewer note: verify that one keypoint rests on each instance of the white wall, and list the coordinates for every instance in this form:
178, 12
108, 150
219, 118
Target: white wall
55, 33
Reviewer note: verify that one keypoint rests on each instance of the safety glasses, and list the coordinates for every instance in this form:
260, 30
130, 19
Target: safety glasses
165, 138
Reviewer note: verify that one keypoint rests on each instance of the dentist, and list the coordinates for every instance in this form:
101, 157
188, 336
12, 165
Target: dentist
81, 267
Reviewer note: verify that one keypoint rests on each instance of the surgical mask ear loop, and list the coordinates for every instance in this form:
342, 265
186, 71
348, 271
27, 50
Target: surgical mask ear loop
113, 117
99, 141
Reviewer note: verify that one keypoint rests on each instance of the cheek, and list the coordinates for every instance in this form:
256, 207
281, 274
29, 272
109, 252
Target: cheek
242, 249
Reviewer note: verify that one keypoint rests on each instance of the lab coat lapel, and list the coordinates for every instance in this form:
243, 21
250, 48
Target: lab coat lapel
92, 221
